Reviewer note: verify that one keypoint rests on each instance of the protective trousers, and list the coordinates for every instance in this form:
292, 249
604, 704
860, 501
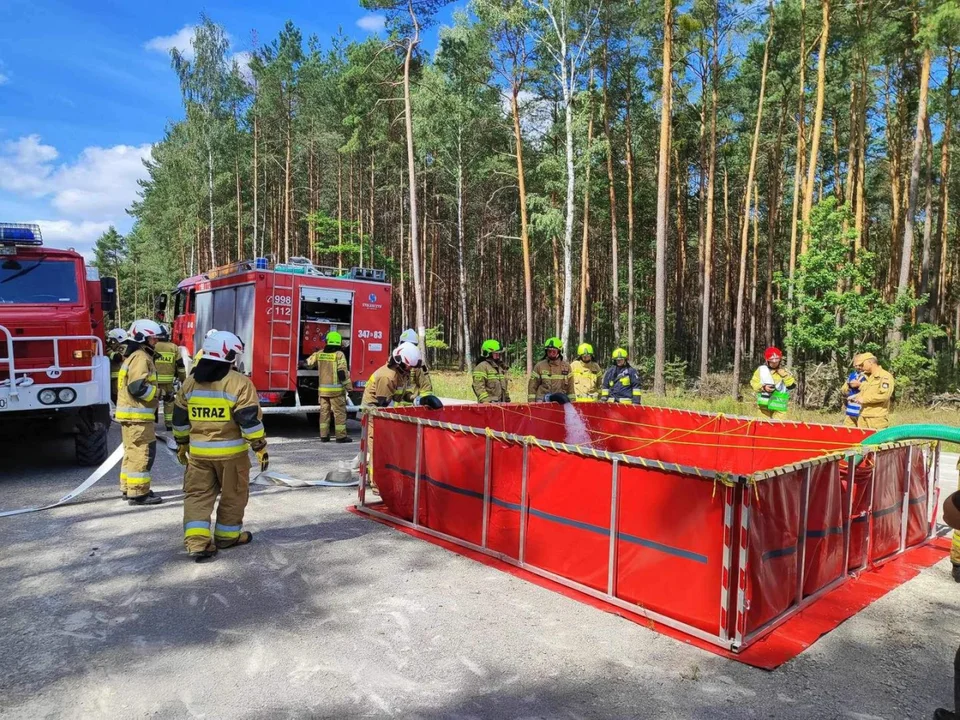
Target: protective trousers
139, 452
772, 414
204, 480
167, 396
874, 423
334, 408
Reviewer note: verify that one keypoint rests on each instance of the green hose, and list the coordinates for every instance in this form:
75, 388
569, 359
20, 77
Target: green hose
920, 431
924, 431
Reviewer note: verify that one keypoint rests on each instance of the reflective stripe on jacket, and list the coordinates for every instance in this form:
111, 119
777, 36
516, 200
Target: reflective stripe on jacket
490, 383
330, 367
621, 385
137, 396
218, 419
550, 376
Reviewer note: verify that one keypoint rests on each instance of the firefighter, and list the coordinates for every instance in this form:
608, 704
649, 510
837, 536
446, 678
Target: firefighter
586, 375
420, 385
217, 416
489, 375
116, 340
772, 383
137, 400
334, 380
169, 369
552, 380
621, 382
873, 394
387, 386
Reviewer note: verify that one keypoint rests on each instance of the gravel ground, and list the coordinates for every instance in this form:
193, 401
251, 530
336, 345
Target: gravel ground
330, 615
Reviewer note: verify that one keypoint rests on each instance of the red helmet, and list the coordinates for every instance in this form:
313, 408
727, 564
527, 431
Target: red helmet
772, 353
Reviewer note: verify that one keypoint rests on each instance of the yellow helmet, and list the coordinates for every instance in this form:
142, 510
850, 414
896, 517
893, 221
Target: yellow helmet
619, 354
585, 349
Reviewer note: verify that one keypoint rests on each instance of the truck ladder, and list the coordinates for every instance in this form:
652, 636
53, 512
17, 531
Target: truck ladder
281, 334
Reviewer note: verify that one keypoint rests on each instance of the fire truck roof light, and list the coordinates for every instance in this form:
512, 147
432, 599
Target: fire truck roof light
21, 233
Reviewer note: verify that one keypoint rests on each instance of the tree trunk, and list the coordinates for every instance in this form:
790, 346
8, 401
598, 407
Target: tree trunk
711, 182
753, 280
461, 260
738, 323
256, 183
585, 247
911, 213
524, 230
287, 173
614, 261
631, 285
798, 167
927, 227
412, 178
663, 203
939, 300
567, 82
213, 253
817, 123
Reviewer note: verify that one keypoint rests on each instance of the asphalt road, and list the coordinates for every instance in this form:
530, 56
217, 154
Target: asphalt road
330, 615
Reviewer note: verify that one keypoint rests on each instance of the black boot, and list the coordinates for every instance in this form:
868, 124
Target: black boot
324, 438
955, 571
345, 439
203, 555
943, 713
150, 498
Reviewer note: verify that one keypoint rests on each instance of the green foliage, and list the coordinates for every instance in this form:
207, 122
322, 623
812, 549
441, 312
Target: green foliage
830, 317
914, 370
434, 338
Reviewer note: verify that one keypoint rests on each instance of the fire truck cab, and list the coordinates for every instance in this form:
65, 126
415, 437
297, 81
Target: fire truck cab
283, 313
53, 370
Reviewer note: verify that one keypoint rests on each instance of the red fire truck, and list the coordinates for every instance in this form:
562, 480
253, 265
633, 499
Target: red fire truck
52, 366
282, 313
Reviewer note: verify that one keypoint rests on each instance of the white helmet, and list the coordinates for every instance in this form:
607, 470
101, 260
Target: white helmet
222, 346
407, 354
118, 335
210, 332
141, 330
410, 336
164, 332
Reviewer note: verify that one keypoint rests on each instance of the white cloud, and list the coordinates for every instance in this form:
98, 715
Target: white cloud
181, 40
372, 23
86, 195
4, 79
242, 59
81, 236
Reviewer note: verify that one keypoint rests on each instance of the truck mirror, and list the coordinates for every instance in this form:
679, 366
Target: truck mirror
108, 295
160, 303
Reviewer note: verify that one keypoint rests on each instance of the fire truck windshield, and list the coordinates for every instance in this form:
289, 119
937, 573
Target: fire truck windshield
38, 281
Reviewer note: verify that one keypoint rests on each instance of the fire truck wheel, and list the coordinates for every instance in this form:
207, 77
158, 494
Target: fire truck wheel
91, 445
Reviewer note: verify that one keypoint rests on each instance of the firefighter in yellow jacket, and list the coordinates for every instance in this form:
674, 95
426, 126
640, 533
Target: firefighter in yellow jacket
551, 377
169, 370
420, 385
217, 416
116, 347
586, 375
773, 383
137, 399
872, 395
334, 382
489, 375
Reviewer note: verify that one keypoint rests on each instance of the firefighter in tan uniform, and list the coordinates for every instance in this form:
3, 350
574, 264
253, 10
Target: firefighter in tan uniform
551, 377
334, 383
115, 351
169, 370
586, 375
387, 386
137, 399
873, 396
217, 416
420, 384
489, 375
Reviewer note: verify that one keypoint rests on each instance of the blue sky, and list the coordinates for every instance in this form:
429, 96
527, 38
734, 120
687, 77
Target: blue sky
86, 87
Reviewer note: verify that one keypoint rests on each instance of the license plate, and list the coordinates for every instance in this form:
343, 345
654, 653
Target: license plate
3, 403
8, 250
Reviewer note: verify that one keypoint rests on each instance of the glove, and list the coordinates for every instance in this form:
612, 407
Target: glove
182, 454
264, 458
559, 398
432, 402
